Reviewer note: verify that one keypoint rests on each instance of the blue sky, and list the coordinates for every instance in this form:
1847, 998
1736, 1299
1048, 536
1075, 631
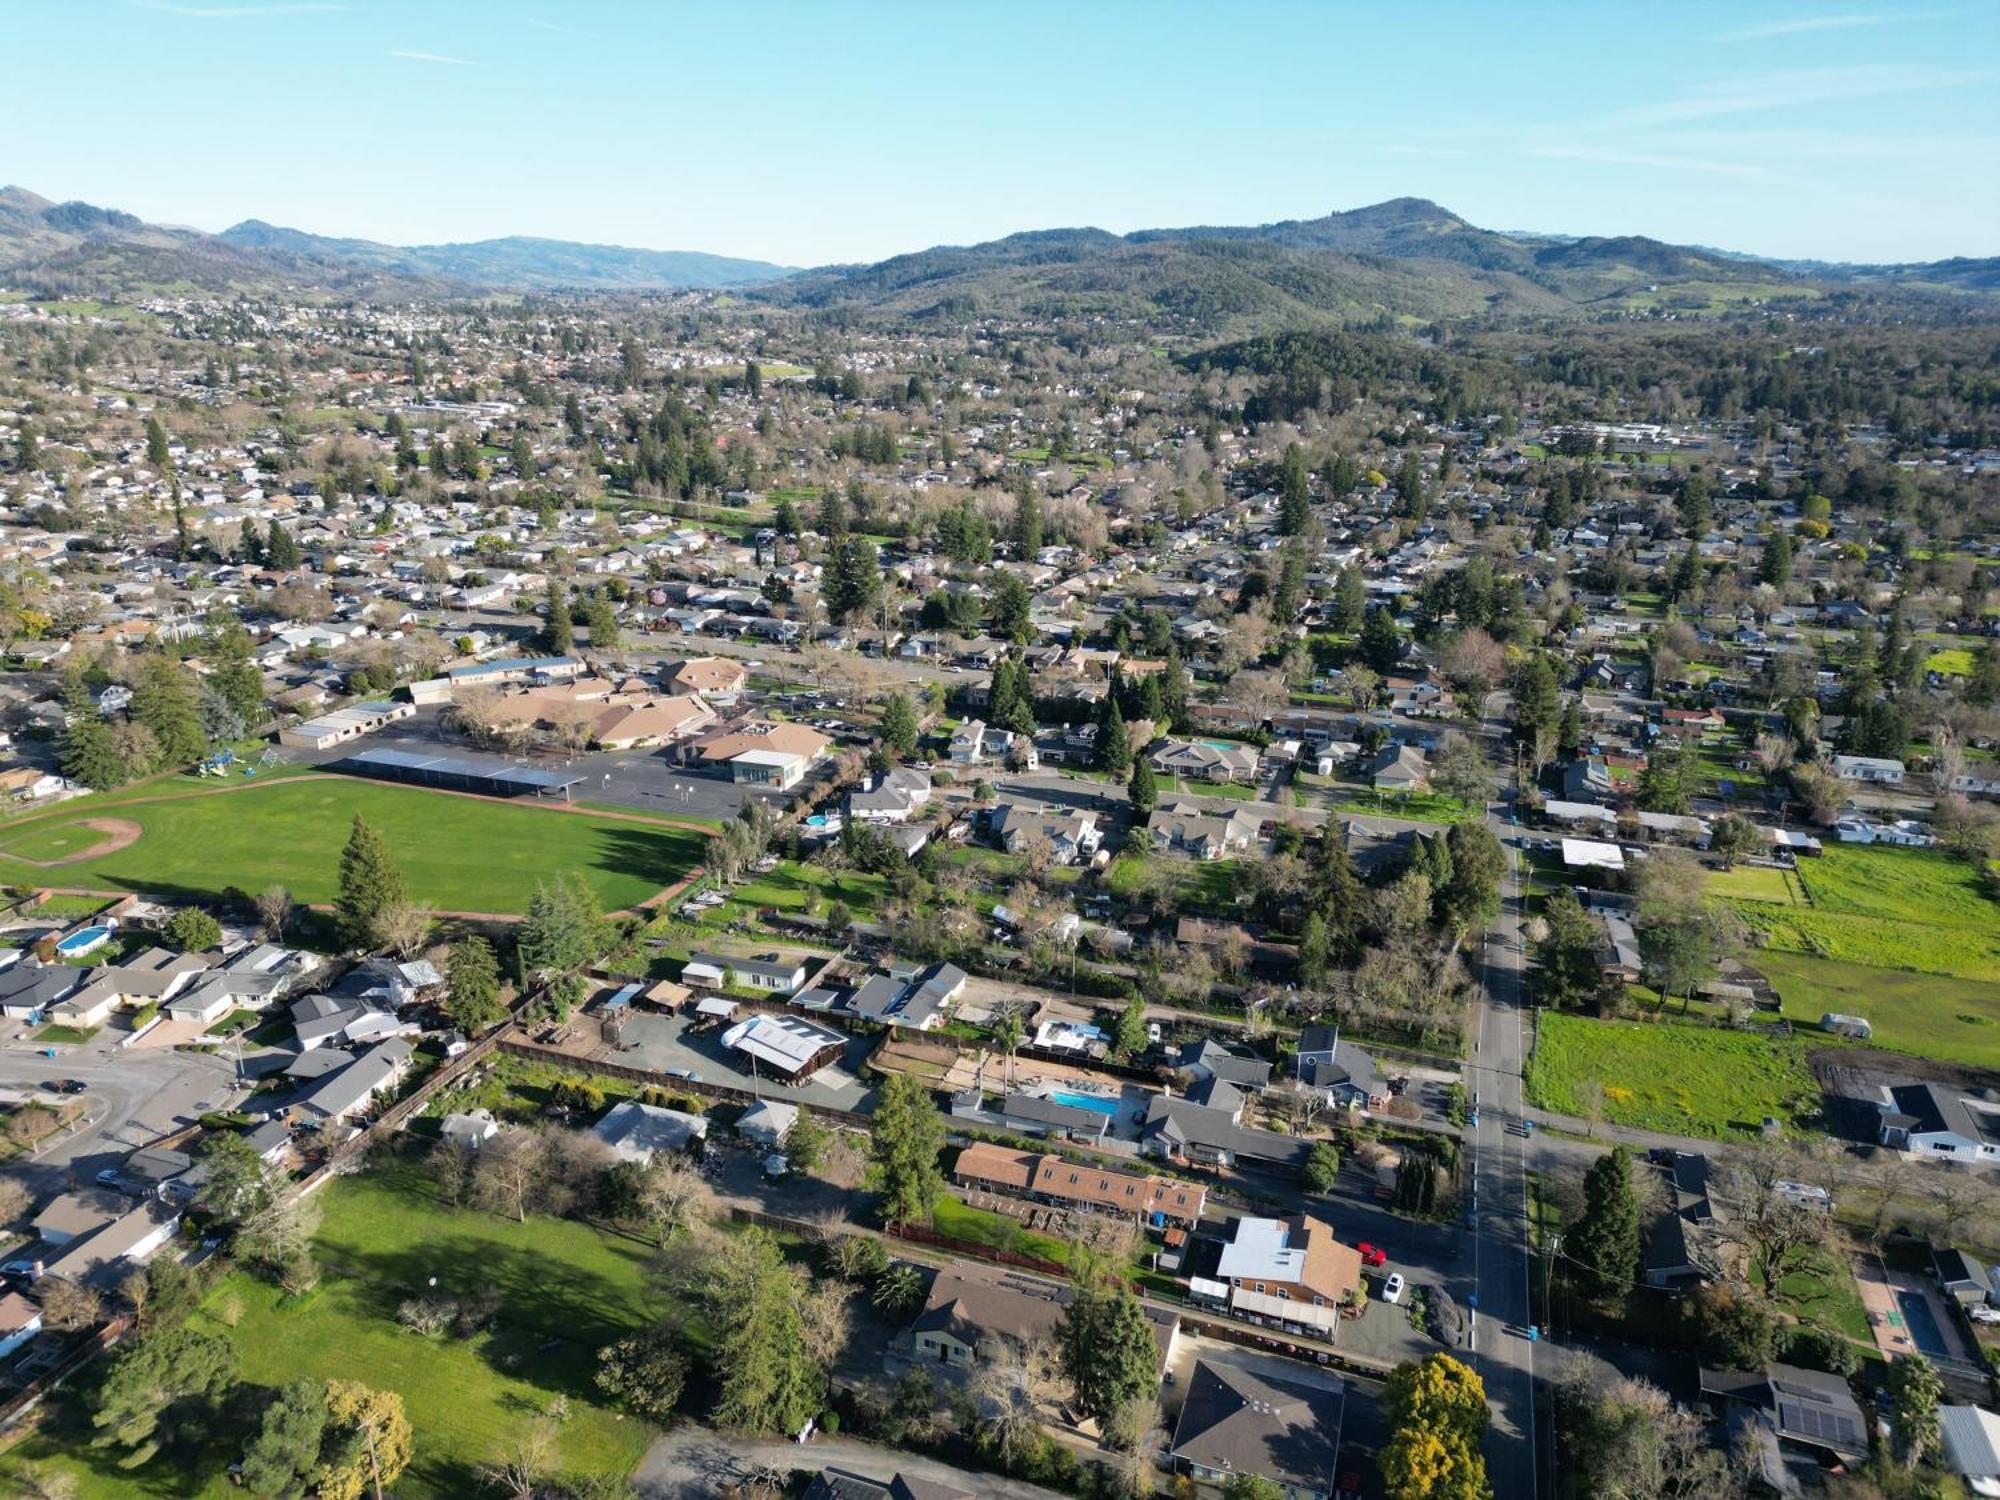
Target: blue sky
818, 131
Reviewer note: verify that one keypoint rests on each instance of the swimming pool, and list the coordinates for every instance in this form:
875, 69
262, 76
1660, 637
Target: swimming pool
1923, 1324
83, 941
1095, 1102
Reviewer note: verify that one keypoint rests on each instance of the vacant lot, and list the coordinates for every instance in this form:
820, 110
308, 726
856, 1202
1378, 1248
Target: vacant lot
1758, 883
1931, 1015
1690, 1080
1883, 908
565, 1290
794, 889
458, 853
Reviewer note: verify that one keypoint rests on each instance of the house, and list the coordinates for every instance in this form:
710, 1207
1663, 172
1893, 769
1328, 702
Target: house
1057, 1180
1971, 1437
1793, 1421
31, 988
768, 1122
1185, 828
154, 975
967, 746
843, 1484
320, 1020
716, 678
636, 1131
1236, 1422
778, 976
1962, 1277
1289, 1271
1347, 1073
976, 1316
1181, 1130
353, 1088
1618, 955
1204, 760
1935, 1120
20, 1320
1875, 769
1586, 780
1678, 1253
74, 1215
1903, 833
1210, 1059
1071, 838
790, 1047
104, 1255
896, 796
1400, 768
909, 996
970, 1318
1036, 1115
215, 994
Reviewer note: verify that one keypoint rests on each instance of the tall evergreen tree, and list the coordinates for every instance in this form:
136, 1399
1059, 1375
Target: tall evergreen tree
559, 630
1381, 642
88, 751
165, 702
1027, 534
370, 885
899, 724
1605, 1239
1141, 787
183, 547
473, 999
1106, 1349
905, 1138
156, 445
1295, 502
1350, 602
1114, 745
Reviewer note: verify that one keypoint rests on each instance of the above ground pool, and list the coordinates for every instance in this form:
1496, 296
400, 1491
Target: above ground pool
83, 940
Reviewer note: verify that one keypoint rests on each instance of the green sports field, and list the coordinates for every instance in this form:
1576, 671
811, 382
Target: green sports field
457, 853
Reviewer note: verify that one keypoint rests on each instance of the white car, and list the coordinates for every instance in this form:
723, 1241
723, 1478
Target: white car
1984, 1313
1392, 1289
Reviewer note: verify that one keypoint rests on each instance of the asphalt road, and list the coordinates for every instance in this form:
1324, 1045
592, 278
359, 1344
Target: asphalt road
1501, 1258
695, 1463
134, 1098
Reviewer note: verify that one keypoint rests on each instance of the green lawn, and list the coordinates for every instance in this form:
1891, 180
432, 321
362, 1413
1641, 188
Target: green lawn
457, 853
1690, 1080
1953, 661
1429, 807
1758, 883
566, 1290
1887, 908
74, 1036
1930, 1015
801, 889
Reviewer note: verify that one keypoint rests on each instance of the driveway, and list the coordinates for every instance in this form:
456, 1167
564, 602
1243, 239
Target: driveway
693, 1463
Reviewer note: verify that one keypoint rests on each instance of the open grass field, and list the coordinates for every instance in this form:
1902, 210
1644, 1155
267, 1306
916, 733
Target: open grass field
565, 1288
1690, 1080
1885, 908
1952, 661
457, 853
1930, 1015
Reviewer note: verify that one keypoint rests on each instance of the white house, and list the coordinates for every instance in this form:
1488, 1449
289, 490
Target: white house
1936, 1121
1877, 769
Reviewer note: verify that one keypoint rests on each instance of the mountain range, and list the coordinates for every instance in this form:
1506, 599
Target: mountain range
1404, 259
76, 247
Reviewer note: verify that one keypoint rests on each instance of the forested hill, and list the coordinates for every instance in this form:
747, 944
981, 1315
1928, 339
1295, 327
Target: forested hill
1407, 259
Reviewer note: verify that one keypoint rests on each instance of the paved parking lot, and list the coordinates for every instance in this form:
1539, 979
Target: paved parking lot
644, 780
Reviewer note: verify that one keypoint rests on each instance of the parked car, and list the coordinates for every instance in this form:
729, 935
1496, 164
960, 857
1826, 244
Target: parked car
1392, 1289
687, 1075
1372, 1255
108, 1176
1986, 1312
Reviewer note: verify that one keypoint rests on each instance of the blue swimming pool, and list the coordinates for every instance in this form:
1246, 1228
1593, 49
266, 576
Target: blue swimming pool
83, 940
1096, 1102
1923, 1324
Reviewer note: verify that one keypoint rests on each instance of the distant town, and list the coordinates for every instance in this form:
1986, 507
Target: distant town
669, 894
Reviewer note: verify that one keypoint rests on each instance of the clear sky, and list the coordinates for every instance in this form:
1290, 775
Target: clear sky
819, 130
